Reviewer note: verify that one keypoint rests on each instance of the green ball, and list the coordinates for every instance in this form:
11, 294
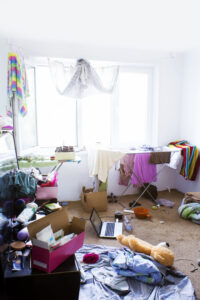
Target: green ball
154, 207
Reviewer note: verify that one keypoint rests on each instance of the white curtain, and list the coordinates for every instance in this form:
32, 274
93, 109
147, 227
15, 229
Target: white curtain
82, 79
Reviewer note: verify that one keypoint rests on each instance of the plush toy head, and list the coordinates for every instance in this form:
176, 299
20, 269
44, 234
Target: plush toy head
124, 240
161, 254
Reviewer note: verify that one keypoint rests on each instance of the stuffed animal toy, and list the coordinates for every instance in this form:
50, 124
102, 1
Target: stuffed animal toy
160, 253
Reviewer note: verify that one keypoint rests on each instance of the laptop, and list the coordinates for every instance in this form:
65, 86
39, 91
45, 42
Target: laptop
109, 230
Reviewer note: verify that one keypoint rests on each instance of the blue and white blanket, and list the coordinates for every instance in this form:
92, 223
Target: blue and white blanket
121, 274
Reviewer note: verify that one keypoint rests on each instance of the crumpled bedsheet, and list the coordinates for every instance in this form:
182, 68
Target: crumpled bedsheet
190, 211
101, 280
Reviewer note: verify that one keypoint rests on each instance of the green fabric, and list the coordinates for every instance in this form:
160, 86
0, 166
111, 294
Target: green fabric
27, 163
190, 211
103, 186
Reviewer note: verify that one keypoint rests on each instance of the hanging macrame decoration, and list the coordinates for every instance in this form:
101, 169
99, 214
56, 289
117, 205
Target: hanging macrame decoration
82, 80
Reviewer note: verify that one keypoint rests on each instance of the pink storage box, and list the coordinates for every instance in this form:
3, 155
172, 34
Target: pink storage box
46, 192
45, 259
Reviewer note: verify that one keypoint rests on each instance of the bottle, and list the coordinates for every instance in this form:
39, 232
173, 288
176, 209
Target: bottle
27, 213
127, 223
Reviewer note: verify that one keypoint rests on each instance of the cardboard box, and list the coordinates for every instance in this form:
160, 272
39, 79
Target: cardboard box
97, 200
45, 259
47, 192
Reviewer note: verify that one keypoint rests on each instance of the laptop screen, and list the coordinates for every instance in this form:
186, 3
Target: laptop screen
96, 221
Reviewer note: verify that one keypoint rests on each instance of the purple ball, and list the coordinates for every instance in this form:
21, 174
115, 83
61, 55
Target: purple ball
23, 234
20, 202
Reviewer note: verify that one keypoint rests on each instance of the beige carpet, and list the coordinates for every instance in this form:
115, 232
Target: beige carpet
182, 235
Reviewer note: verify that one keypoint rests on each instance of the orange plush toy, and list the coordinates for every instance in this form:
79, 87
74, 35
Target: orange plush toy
160, 253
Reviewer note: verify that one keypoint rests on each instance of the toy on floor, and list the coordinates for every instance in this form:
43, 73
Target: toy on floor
160, 253
90, 258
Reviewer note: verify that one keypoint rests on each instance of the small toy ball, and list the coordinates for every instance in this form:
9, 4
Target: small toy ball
1, 240
154, 207
19, 206
20, 203
90, 258
23, 235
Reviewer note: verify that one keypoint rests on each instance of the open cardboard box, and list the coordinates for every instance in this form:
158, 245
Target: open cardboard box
42, 257
90, 200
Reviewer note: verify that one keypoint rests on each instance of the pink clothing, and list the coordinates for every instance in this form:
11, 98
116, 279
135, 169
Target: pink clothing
128, 162
126, 169
145, 171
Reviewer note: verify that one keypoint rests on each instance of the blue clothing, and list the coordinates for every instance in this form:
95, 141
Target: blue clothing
130, 264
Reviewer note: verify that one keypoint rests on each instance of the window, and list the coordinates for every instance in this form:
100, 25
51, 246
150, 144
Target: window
28, 128
56, 115
95, 116
123, 119
134, 116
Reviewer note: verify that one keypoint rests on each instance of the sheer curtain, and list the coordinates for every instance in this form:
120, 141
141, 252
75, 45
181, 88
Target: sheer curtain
83, 80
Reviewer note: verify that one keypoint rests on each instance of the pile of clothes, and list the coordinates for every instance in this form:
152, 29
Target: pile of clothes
17, 184
190, 207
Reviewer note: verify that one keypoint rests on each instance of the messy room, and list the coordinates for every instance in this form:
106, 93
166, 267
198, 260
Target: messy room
99, 150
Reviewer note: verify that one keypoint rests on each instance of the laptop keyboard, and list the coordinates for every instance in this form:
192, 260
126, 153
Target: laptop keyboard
110, 227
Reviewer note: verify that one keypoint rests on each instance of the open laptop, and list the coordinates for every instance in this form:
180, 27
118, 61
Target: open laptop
109, 230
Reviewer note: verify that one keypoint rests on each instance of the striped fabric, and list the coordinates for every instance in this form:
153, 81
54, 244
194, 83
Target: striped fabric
17, 82
191, 159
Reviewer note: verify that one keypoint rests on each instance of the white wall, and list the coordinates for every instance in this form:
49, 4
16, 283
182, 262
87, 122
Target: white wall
190, 112
3, 75
170, 87
168, 75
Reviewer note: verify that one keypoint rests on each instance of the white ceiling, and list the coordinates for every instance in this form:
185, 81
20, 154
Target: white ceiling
162, 25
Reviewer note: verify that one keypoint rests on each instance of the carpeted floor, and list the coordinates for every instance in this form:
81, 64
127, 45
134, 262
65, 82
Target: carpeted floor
182, 235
